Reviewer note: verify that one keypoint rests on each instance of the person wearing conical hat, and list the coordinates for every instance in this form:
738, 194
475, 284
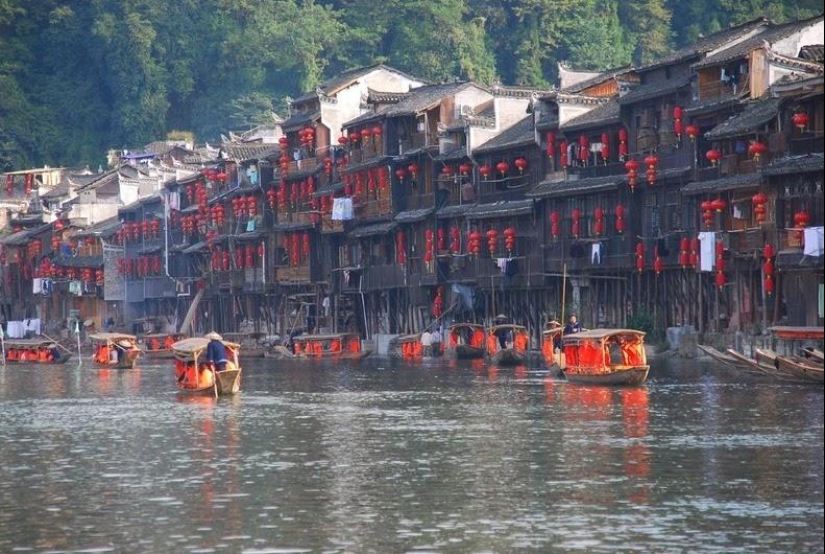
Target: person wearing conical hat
216, 351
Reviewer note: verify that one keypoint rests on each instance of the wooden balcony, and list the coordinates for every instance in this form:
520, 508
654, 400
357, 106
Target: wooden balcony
151, 287
328, 225
383, 277
371, 209
293, 275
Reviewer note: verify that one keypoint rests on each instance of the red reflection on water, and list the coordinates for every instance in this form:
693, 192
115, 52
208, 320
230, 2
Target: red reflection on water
520, 372
635, 414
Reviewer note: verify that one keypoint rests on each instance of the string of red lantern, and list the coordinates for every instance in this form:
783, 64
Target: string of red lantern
759, 210
584, 149
492, 241
598, 223
455, 240
605, 148
510, 239
555, 218
623, 144
677, 121
576, 226
400, 248
651, 162
619, 213
632, 167
721, 279
551, 144
684, 252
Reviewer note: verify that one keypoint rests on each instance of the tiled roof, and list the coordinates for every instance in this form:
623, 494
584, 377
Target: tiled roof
606, 114
796, 164
413, 216
547, 120
372, 230
23, 237
813, 53
598, 79
292, 225
342, 80
516, 135
453, 155
244, 152
756, 113
575, 187
655, 89
715, 104
105, 228
329, 188
709, 43
62, 189
741, 181
424, 97
299, 120
79, 261
769, 36
453, 211
501, 209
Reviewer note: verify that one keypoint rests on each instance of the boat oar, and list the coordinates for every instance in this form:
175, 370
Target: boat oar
58, 344
214, 380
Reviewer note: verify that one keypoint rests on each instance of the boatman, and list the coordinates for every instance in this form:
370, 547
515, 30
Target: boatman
216, 351
573, 326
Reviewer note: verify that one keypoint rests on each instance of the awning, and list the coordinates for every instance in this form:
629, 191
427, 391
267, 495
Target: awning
501, 209
742, 181
413, 216
372, 230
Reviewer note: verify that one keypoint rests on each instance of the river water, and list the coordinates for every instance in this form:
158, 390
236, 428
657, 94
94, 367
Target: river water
385, 457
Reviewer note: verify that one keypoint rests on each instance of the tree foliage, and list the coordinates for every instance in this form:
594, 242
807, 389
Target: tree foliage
79, 78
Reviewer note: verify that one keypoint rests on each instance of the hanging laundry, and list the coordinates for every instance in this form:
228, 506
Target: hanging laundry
814, 241
707, 250
596, 253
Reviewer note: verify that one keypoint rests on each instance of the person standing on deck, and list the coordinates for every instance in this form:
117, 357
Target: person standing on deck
216, 351
573, 326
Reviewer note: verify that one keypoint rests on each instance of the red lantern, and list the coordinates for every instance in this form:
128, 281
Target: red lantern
605, 147
400, 248
376, 133
800, 120
684, 252
658, 264
620, 224
713, 156
400, 173
484, 171
718, 205
521, 164
632, 167
441, 239
622, 143
502, 167
447, 171
756, 149
551, 144
554, 224
720, 279
413, 169
365, 135
465, 168
802, 219
677, 121
492, 241
759, 200
510, 239
598, 216
584, 149
563, 158
651, 162
455, 240
692, 131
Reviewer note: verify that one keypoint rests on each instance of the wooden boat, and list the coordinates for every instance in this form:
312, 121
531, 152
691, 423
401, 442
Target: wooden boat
407, 347
333, 345
35, 351
118, 350
791, 366
465, 341
160, 345
791, 333
813, 354
729, 360
799, 368
193, 374
550, 337
606, 357
508, 344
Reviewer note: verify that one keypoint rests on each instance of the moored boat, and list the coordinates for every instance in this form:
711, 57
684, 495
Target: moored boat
35, 351
160, 345
508, 344
464, 341
118, 350
332, 345
407, 347
551, 344
605, 357
194, 374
